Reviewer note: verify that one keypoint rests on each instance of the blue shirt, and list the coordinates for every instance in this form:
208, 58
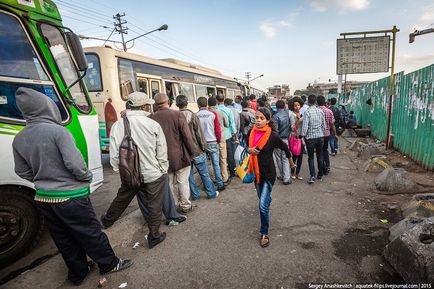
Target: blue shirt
230, 130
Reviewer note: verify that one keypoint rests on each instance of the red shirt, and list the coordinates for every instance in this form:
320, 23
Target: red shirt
329, 119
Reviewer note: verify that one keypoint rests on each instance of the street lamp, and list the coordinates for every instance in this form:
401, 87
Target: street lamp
417, 33
255, 78
124, 43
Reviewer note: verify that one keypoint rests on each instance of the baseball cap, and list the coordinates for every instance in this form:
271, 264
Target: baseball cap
138, 98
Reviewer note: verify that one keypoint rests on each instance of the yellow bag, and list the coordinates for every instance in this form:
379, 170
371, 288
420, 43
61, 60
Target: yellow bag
242, 168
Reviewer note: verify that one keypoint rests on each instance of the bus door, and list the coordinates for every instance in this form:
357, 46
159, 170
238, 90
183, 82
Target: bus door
221, 89
149, 84
173, 89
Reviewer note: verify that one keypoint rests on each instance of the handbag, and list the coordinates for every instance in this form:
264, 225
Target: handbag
129, 164
243, 167
295, 145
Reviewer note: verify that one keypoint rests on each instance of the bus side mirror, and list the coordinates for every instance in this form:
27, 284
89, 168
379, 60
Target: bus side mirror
77, 50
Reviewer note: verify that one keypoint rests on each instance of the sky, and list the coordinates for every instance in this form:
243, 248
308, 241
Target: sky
289, 42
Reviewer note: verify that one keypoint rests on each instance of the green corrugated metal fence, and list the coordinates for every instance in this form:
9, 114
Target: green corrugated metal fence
412, 124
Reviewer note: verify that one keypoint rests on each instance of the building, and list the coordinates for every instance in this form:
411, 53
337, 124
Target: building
279, 91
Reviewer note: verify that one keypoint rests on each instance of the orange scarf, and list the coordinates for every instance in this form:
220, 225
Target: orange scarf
253, 164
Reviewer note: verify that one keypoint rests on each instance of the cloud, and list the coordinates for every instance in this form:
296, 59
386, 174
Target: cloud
340, 5
428, 16
270, 27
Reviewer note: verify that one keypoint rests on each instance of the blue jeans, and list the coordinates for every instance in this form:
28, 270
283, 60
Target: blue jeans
201, 164
333, 143
264, 195
213, 151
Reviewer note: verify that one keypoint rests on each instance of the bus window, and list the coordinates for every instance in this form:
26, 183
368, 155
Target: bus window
18, 60
187, 90
231, 94
8, 106
210, 91
143, 85
201, 91
93, 74
60, 52
155, 87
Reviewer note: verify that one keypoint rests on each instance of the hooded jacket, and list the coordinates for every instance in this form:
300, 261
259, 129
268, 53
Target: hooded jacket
45, 152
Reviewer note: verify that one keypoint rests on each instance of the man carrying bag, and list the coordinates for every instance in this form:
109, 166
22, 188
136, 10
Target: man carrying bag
147, 136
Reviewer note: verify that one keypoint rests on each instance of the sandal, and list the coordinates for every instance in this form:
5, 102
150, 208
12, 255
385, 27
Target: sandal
265, 241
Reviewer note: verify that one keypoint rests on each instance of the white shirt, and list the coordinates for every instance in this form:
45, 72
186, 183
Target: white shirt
150, 140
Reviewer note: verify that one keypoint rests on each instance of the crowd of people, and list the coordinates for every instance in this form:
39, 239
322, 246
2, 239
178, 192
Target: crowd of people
171, 145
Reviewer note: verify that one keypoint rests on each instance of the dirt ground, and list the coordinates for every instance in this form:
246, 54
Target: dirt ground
332, 231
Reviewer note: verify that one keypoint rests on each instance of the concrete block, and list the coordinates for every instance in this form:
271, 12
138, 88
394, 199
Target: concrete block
420, 206
394, 181
403, 226
376, 164
368, 150
355, 146
412, 253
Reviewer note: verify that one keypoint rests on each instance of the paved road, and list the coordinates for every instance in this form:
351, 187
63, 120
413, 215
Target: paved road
326, 232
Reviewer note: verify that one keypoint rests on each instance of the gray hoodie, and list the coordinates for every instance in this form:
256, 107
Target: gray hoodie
44, 151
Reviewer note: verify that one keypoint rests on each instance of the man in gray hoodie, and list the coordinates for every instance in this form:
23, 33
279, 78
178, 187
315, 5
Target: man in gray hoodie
45, 154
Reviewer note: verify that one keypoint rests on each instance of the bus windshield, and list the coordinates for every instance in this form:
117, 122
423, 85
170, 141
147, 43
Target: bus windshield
60, 52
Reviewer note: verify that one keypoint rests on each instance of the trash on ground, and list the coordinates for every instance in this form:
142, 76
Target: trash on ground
137, 244
384, 221
123, 285
146, 237
102, 282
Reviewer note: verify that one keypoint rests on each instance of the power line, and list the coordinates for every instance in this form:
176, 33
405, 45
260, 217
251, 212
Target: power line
83, 10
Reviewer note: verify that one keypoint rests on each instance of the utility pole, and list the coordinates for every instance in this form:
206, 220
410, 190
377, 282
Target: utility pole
248, 74
120, 28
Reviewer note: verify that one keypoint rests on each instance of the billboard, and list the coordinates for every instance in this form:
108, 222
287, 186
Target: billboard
363, 55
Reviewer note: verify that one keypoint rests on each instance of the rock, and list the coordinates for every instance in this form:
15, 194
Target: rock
412, 253
421, 205
394, 181
403, 226
376, 164
368, 150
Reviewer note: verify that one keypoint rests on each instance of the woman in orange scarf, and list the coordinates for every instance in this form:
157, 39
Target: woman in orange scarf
262, 141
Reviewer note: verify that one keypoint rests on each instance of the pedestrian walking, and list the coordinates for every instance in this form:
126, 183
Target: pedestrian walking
262, 142
180, 148
235, 140
151, 144
295, 104
45, 154
283, 125
313, 129
329, 126
212, 132
200, 161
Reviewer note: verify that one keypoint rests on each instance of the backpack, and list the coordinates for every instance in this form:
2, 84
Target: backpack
129, 163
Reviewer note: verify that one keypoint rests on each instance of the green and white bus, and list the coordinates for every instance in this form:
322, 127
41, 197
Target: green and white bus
113, 74
37, 52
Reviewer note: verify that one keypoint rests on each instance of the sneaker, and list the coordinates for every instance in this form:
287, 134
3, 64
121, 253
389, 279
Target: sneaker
122, 265
217, 193
152, 242
287, 183
319, 178
293, 177
311, 180
299, 178
227, 182
332, 154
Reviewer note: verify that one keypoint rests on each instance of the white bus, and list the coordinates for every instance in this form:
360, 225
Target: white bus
113, 74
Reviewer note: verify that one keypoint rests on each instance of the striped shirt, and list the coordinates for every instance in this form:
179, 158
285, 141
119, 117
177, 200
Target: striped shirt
313, 123
329, 120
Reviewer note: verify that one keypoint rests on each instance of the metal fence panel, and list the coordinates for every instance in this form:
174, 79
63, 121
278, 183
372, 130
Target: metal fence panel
412, 123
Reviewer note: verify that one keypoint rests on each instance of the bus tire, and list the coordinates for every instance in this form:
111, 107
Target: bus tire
20, 224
